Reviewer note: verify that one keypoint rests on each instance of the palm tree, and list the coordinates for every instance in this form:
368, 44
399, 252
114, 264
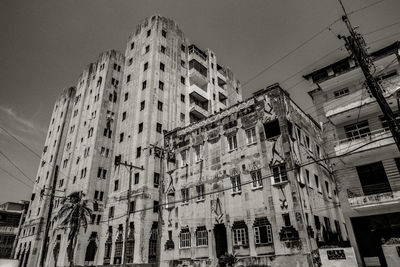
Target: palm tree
74, 214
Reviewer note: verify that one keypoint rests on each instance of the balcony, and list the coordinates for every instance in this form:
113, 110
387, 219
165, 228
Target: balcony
377, 200
375, 139
198, 109
197, 53
197, 73
198, 93
347, 107
8, 230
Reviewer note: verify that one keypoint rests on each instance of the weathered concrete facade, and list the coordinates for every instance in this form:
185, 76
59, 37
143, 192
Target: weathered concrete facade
249, 181
367, 165
167, 83
80, 143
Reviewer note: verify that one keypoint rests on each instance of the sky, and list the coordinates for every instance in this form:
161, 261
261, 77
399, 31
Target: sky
46, 44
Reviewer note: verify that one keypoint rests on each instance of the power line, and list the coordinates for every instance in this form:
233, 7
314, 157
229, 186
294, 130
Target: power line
305, 42
15, 177
15, 165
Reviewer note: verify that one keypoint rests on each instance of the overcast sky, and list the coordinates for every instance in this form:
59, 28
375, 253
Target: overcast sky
46, 44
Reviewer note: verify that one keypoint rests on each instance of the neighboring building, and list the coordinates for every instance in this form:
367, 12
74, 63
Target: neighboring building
80, 142
367, 167
168, 83
249, 181
11, 214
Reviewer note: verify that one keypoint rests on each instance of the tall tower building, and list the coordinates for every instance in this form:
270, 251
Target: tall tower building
168, 83
77, 158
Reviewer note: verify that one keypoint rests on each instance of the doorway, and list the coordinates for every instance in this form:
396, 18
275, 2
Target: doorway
221, 244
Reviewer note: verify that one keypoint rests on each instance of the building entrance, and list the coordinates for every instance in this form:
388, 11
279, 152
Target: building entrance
371, 232
221, 245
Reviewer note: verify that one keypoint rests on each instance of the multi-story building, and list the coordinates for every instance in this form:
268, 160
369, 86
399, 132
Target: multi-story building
165, 82
77, 157
11, 215
251, 182
367, 167
168, 83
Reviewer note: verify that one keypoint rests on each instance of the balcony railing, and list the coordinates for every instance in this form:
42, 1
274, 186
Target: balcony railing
354, 100
359, 200
197, 51
364, 141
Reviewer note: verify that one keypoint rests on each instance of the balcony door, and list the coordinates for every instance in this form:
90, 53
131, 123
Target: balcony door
373, 178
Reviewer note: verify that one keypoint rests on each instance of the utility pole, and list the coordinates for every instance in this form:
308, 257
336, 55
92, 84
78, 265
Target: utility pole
131, 167
160, 152
356, 45
48, 220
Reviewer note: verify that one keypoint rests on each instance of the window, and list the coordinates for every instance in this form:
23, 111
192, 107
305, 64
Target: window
373, 178
148, 33
183, 63
183, 48
318, 150
236, 184
140, 128
185, 195
142, 105
328, 191
162, 49
137, 178
201, 236
256, 179
251, 135
316, 178
182, 80
130, 61
308, 177
132, 45
132, 207
155, 206
308, 143
147, 49
286, 219
341, 92
357, 130
200, 192
160, 106
121, 137
145, 66
197, 153
144, 84
138, 152
160, 85
183, 98
240, 234
280, 174
182, 117
272, 129
158, 127
162, 66
128, 78
262, 231
164, 33
101, 195
111, 212
116, 184
123, 115
156, 179
232, 141
185, 238
183, 154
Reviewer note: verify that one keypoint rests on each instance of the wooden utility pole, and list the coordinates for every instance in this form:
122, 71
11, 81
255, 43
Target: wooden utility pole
128, 212
356, 45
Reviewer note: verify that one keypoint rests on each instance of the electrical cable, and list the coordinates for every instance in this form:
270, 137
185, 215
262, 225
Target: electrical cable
16, 166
